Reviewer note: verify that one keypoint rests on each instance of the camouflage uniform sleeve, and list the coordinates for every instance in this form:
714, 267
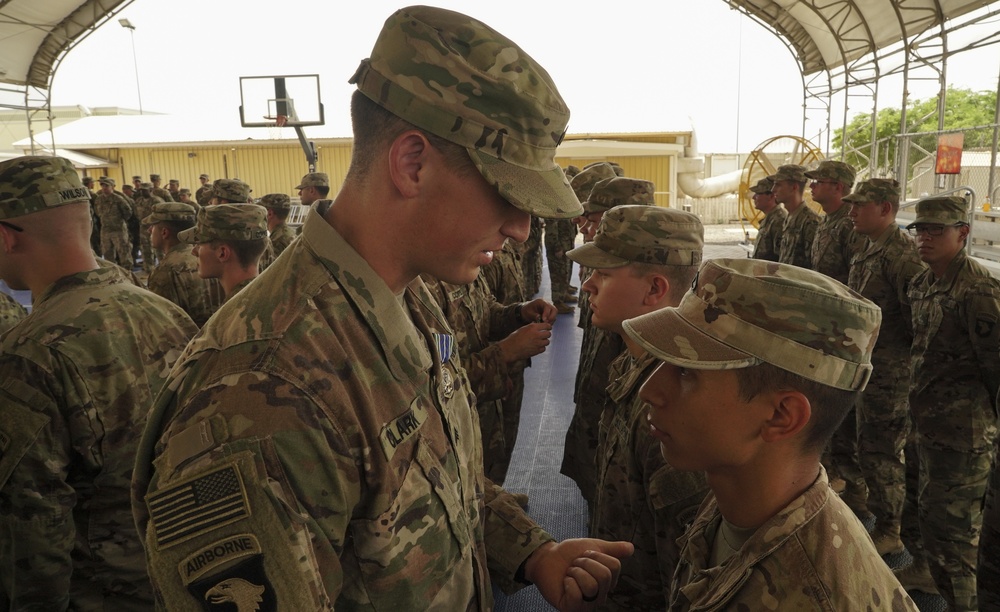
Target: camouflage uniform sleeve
125, 207
511, 537
488, 374
903, 268
295, 483
37, 530
982, 306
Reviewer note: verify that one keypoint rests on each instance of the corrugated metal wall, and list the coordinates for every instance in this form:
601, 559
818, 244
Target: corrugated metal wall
277, 167
267, 168
649, 168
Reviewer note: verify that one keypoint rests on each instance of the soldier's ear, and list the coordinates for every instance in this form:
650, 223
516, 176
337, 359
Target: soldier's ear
8, 239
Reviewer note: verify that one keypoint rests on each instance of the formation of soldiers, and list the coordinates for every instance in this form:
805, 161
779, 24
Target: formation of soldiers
325, 420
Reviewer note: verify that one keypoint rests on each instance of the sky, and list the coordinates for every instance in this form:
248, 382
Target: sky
625, 66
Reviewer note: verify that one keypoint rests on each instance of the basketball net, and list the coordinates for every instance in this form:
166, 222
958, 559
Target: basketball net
274, 128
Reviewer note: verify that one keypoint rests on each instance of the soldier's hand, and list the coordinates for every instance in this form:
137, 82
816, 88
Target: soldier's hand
526, 342
539, 310
575, 575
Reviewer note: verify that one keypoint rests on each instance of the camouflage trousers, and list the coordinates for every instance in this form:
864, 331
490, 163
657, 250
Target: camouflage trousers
955, 448
117, 247
560, 268
988, 571
531, 265
841, 461
883, 419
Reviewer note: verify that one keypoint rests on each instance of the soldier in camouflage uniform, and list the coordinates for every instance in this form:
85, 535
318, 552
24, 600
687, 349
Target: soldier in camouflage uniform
882, 273
176, 276
229, 240
768, 243
313, 187
184, 195
113, 211
531, 251
835, 244
278, 206
492, 341
327, 404
988, 570
759, 364
136, 182
95, 232
560, 268
643, 258
204, 193
504, 279
77, 378
599, 347
955, 363
144, 203
788, 184
158, 191
174, 187
10, 312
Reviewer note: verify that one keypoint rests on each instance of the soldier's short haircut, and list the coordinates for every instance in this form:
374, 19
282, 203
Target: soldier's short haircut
829, 404
680, 277
375, 128
282, 213
248, 252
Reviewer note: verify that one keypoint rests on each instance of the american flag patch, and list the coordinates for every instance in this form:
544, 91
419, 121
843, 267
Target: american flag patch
196, 506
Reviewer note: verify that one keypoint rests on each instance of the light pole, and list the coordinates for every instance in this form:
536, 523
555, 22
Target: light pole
125, 23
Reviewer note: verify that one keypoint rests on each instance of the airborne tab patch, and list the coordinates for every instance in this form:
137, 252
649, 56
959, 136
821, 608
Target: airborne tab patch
198, 505
402, 428
222, 553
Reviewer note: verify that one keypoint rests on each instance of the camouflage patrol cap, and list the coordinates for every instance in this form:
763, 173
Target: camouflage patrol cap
619, 191
227, 222
643, 234
136, 178
276, 200
154, 177
174, 182
87, 180
941, 210
619, 171
184, 191
170, 211
833, 170
571, 171
233, 190
460, 79
145, 186
204, 176
314, 179
875, 190
593, 174
106, 180
744, 312
32, 183
764, 185
789, 172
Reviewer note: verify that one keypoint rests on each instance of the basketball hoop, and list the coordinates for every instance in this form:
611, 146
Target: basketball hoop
274, 125
281, 120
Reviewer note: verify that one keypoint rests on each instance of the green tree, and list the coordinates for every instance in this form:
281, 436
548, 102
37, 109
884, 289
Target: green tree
964, 109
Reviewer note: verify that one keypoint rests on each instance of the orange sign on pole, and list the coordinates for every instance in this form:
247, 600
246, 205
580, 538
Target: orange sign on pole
949, 153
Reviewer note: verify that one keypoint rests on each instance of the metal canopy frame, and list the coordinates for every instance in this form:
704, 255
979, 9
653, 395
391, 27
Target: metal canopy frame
846, 47
28, 70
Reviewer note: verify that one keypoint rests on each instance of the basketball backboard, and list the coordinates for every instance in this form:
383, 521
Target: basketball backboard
289, 100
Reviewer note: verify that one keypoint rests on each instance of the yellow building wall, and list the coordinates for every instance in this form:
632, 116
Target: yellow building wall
650, 168
267, 168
